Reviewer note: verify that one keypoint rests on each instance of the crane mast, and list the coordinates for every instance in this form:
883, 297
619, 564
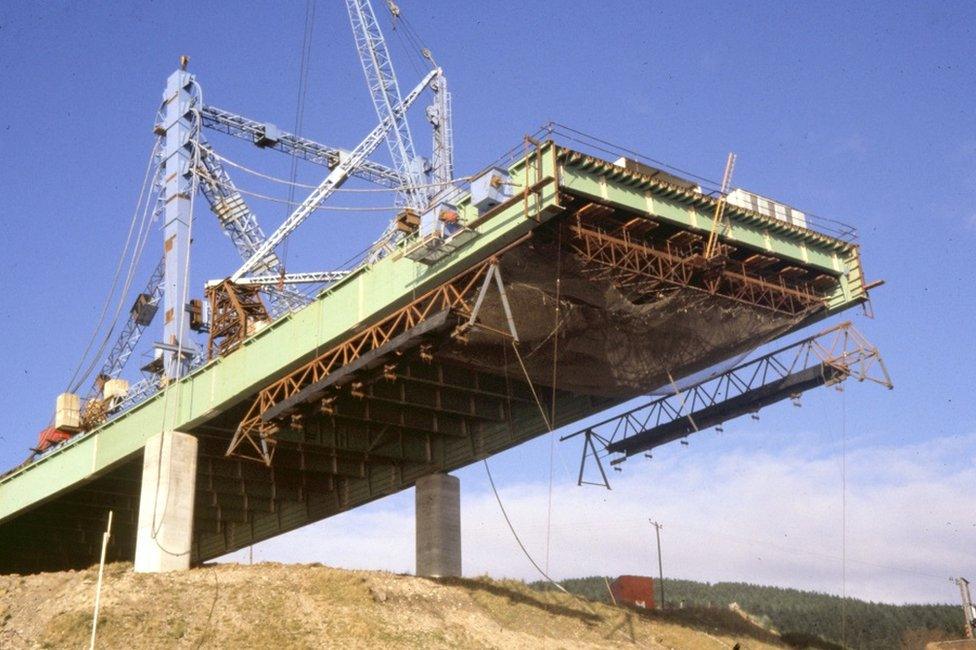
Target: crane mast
442, 161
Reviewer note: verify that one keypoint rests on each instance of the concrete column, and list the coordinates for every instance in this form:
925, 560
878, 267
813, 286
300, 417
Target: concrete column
169, 477
438, 526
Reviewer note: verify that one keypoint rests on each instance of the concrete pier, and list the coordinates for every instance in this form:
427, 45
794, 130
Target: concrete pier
438, 499
165, 532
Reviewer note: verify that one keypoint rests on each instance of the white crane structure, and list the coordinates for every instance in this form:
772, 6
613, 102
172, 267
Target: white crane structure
187, 162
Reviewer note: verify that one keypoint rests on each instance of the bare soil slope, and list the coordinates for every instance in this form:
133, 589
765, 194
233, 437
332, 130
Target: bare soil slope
312, 606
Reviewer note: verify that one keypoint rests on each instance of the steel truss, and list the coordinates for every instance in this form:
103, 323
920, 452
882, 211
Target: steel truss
235, 313
140, 317
255, 435
830, 357
256, 132
241, 225
335, 178
637, 265
313, 277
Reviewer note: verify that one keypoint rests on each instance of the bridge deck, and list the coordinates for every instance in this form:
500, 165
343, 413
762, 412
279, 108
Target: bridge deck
471, 400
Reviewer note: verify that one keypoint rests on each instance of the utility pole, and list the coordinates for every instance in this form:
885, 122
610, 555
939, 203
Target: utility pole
967, 606
660, 567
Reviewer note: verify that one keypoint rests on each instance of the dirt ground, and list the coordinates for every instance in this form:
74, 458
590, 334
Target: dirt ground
314, 606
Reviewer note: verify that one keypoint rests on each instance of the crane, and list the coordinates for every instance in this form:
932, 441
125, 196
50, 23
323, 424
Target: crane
385, 93
188, 162
241, 225
342, 171
140, 317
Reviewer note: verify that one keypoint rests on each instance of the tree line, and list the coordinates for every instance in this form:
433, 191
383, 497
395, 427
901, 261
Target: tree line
846, 622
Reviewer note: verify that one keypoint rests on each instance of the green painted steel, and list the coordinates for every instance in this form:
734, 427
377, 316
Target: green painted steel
379, 288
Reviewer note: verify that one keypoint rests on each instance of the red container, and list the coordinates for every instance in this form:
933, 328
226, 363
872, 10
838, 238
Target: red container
50, 437
637, 591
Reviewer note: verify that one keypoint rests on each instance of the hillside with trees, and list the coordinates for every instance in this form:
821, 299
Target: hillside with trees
847, 622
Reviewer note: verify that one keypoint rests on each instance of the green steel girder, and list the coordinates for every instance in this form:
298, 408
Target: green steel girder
542, 176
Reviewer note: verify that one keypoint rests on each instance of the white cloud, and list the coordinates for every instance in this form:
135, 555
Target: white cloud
766, 516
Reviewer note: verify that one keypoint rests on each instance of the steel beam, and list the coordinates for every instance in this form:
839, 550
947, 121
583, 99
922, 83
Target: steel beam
314, 152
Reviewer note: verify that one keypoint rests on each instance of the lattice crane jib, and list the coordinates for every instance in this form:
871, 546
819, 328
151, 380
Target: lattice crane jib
385, 92
335, 179
241, 225
140, 316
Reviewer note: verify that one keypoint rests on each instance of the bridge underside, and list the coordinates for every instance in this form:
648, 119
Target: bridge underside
608, 303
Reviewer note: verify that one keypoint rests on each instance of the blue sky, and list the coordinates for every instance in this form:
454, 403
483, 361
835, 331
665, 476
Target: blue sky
862, 114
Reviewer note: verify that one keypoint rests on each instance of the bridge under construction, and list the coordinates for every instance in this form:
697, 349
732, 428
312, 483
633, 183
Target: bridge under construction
563, 279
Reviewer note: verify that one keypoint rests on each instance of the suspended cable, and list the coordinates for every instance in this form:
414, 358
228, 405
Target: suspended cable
354, 190
75, 380
135, 258
406, 46
300, 107
518, 540
843, 537
326, 208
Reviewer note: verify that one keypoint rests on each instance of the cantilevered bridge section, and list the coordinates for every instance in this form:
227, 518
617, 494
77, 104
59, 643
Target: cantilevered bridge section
589, 272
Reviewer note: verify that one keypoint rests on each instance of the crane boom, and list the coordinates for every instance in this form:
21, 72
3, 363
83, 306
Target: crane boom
385, 92
240, 224
313, 277
256, 132
335, 178
139, 319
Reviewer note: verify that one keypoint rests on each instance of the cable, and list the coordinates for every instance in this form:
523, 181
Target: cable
300, 107
552, 410
136, 256
508, 521
213, 605
535, 396
325, 208
355, 190
72, 385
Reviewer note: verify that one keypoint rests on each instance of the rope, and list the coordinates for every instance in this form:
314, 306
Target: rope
73, 385
494, 489
213, 605
535, 396
552, 410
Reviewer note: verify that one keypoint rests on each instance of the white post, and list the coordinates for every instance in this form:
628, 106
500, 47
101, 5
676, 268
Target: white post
101, 572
